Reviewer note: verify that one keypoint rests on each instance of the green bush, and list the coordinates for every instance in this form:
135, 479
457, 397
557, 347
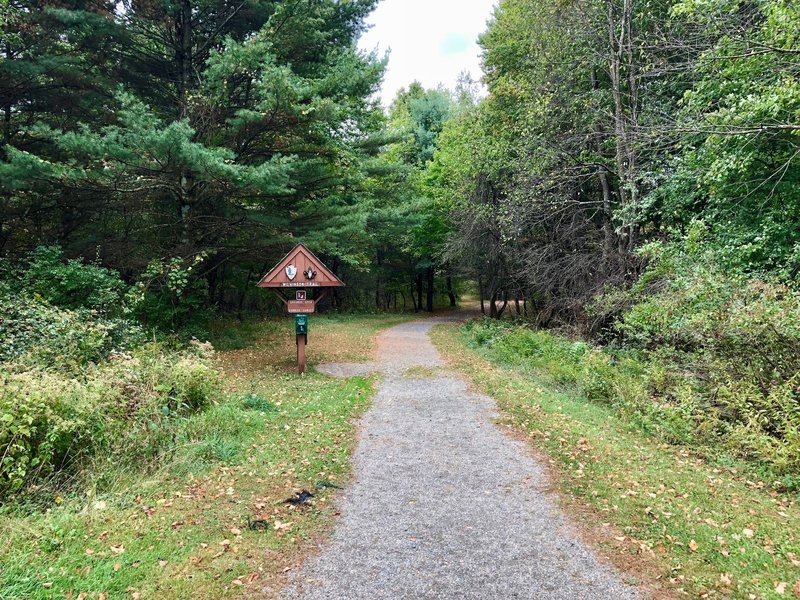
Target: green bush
732, 339
707, 358
170, 295
71, 283
127, 409
35, 333
79, 385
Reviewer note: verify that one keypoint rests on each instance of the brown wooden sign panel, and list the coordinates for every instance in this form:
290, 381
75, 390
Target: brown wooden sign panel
300, 269
300, 307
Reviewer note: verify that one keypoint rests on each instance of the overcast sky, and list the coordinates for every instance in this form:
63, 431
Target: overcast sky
431, 41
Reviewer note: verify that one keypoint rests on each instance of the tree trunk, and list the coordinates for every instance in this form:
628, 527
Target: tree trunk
430, 290
419, 293
450, 293
380, 292
183, 54
501, 310
626, 113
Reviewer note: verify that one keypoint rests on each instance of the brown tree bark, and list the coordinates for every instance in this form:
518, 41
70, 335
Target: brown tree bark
430, 290
450, 293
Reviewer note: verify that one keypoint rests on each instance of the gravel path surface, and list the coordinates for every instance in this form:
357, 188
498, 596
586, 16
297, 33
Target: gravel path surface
443, 504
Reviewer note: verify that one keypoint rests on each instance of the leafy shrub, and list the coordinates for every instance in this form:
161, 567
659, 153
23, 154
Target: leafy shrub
127, 408
170, 296
47, 420
35, 333
735, 338
79, 385
71, 283
707, 358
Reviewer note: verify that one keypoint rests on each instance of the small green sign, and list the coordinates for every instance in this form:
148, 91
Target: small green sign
301, 324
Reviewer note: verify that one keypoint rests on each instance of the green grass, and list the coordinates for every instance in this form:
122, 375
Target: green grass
683, 524
270, 346
212, 521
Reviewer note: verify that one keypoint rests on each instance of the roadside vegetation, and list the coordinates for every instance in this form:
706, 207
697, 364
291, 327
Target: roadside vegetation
141, 464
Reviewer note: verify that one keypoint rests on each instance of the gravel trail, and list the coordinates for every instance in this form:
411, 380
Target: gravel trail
443, 504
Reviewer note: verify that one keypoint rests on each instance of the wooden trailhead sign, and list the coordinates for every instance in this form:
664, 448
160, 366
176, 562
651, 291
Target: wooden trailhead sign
300, 269
296, 274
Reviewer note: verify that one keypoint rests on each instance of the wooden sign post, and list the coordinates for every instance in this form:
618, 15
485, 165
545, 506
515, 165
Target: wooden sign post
300, 271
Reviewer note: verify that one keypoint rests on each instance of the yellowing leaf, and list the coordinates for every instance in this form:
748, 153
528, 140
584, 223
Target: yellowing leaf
693, 546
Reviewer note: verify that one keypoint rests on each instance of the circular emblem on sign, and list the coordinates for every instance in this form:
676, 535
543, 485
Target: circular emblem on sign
310, 273
291, 272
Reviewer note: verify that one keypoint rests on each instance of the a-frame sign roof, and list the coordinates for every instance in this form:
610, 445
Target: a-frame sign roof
300, 269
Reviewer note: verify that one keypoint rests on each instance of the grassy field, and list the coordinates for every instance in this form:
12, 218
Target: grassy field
686, 527
213, 521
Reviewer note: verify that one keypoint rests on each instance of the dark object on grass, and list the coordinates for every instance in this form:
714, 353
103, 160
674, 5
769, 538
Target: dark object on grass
301, 498
257, 524
322, 484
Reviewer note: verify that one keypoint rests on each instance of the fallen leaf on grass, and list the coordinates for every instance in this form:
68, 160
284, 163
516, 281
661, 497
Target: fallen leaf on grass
796, 589
119, 549
693, 546
117, 567
748, 533
780, 588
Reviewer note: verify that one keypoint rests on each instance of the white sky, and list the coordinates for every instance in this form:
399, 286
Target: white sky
430, 41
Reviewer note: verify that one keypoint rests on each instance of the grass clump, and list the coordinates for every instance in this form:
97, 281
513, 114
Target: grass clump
127, 408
